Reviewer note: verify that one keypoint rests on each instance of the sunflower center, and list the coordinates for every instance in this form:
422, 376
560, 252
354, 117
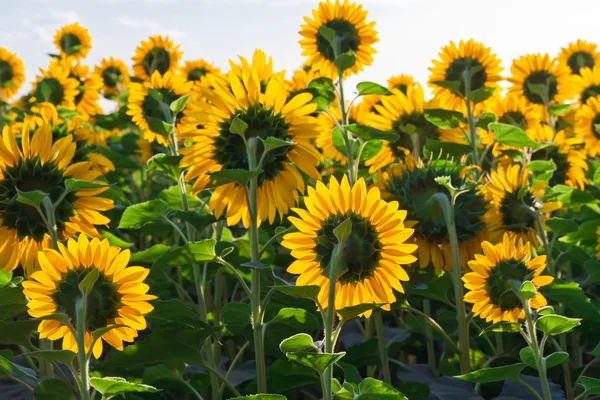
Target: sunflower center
515, 217
360, 252
28, 176
70, 43
590, 91
595, 122
157, 59
50, 90
408, 124
81, 88
560, 160
345, 32
6, 72
500, 283
456, 72
152, 108
515, 118
580, 59
230, 150
540, 78
401, 87
111, 76
196, 74
102, 302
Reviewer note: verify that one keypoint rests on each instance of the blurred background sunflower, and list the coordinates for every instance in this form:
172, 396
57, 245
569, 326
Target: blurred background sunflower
157, 53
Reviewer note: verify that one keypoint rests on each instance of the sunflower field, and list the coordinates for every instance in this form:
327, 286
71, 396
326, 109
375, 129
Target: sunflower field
243, 234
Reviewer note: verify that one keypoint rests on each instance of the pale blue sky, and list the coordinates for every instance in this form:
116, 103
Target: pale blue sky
411, 32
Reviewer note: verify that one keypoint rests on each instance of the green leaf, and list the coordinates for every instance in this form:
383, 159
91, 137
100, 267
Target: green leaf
372, 389
558, 109
541, 166
87, 284
327, 33
365, 88
190, 253
345, 60
556, 324
498, 374
73, 185
138, 215
527, 290
453, 86
175, 313
590, 385
149, 255
444, 119
11, 368
236, 317
5, 277
526, 355
260, 396
555, 359
481, 94
156, 95
502, 326
323, 92
512, 136
300, 348
114, 240
272, 143
178, 105
53, 389
300, 342
368, 133
343, 230
596, 351
111, 386
310, 292
562, 226
193, 217
33, 198
484, 119
62, 356
168, 165
159, 126
240, 176
238, 126
354, 311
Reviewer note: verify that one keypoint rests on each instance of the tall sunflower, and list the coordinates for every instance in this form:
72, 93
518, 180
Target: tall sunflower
493, 273
469, 58
578, 55
198, 72
267, 112
12, 74
73, 41
587, 117
508, 191
114, 75
118, 297
532, 72
401, 82
143, 106
55, 86
373, 254
157, 53
412, 184
89, 85
565, 152
36, 163
300, 79
349, 21
516, 111
587, 84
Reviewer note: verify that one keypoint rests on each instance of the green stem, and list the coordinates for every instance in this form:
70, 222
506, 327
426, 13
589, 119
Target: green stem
236, 359
84, 378
437, 327
275, 237
429, 338
222, 379
543, 236
539, 358
570, 390
382, 345
235, 272
348, 144
470, 117
499, 344
22, 382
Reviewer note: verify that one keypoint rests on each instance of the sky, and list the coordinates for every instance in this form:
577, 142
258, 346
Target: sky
411, 32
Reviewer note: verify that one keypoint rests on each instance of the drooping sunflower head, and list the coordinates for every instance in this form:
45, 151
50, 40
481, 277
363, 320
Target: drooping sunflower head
12, 74
268, 112
587, 84
578, 55
38, 164
469, 62
157, 53
372, 256
567, 154
401, 82
540, 80
73, 41
496, 276
412, 184
114, 75
143, 106
587, 125
56, 86
89, 85
510, 194
354, 34
118, 297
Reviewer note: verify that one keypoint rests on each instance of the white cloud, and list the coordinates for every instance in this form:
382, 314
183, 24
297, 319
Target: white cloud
44, 25
151, 27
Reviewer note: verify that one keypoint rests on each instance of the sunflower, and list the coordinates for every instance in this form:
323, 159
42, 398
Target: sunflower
143, 106
578, 55
516, 111
300, 80
73, 41
404, 114
270, 114
198, 72
260, 64
38, 164
587, 83
587, 117
55, 86
86, 101
533, 73
157, 53
496, 271
401, 82
509, 193
469, 58
38, 115
12, 74
114, 75
119, 295
565, 152
412, 184
349, 21
372, 255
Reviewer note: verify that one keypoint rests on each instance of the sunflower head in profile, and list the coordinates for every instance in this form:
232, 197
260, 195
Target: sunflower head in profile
587, 125
12, 74
267, 112
401, 82
373, 254
118, 297
73, 41
578, 55
157, 53
495, 274
510, 194
56, 86
469, 61
89, 85
36, 163
143, 106
412, 184
541, 81
566, 153
352, 33
114, 75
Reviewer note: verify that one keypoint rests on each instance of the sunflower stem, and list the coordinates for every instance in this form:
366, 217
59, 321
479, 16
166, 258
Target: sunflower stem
429, 336
382, 346
543, 236
470, 116
537, 353
348, 144
84, 372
